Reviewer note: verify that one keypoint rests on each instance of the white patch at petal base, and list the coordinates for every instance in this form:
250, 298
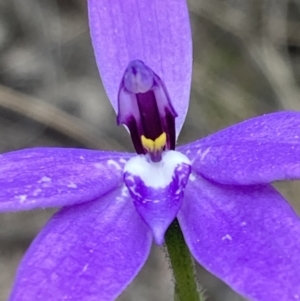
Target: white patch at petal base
156, 174
114, 163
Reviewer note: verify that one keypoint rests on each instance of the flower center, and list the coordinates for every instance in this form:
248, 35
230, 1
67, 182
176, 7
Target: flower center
144, 106
157, 188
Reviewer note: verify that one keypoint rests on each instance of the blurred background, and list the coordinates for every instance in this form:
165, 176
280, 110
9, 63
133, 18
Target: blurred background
246, 63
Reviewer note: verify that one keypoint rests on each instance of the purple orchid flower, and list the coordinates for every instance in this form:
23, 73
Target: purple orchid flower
234, 222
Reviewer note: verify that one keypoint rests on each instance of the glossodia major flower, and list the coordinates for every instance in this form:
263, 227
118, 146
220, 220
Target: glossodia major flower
114, 204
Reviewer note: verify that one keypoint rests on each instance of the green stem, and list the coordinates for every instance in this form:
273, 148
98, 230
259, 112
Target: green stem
182, 265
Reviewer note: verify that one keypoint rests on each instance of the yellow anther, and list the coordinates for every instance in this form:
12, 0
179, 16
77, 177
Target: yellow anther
160, 141
147, 143
155, 145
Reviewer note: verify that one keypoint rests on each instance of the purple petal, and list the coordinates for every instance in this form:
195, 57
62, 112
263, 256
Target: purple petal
247, 236
156, 32
248, 163
259, 150
45, 177
279, 127
86, 252
157, 189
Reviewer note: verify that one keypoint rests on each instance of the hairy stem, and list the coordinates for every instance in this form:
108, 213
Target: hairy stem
182, 263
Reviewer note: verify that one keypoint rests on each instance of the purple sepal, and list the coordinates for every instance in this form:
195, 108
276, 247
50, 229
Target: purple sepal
154, 31
248, 236
256, 151
247, 162
158, 206
86, 252
278, 127
54, 177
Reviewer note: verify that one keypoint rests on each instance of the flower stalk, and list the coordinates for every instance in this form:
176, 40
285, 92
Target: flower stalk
182, 263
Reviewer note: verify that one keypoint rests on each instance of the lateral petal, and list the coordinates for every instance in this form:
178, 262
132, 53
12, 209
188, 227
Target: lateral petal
89, 252
256, 151
50, 177
247, 236
278, 127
